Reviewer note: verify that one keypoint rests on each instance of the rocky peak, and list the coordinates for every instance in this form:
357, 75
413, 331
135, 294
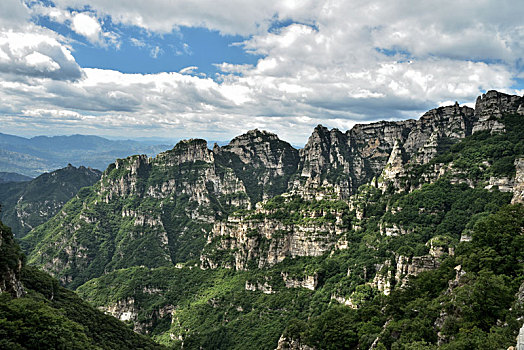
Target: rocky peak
492, 105
191, 150
261, 148
261, 160
324, 148
255, 135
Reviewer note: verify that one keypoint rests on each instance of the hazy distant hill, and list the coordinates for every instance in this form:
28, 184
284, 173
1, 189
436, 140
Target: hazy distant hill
40, 154
13, 177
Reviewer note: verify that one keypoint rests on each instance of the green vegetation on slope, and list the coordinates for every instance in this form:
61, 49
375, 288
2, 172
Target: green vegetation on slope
25, 205
48, 316
481, 155
444, 292
477, 310
214, 309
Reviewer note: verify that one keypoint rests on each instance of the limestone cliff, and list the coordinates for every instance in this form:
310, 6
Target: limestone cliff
267, 235
490, 107
143, 211
198, 206
261, 160
347, 160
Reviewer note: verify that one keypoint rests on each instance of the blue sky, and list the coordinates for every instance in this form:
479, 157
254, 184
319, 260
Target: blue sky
215, 69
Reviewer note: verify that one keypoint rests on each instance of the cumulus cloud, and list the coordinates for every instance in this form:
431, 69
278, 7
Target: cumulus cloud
334, 62
26, 54
87, 26
83, 23
13, 13
226, 16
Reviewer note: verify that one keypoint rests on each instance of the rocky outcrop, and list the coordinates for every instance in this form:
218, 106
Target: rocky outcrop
124, 310
396, 272
261, 160
264, 287
490, 107
344, 161
324, 162
308, 282
262, 238
518, 185
285, 343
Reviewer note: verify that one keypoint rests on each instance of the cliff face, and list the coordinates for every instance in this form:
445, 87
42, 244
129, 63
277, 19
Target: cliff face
348, 160
256, 233
271, 233
261, 160
490, 107
158, 211
178, 207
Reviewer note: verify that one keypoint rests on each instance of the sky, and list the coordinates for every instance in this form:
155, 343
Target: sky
214, 69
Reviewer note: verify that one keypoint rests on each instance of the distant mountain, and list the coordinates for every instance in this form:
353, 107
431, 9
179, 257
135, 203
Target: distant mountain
13, 177
34, 156
26, 205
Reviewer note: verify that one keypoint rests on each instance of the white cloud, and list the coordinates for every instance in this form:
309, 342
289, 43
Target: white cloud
87, 26
226, 16
35, 53
13, 13
188, 70
156, 51
137, 42
337, 63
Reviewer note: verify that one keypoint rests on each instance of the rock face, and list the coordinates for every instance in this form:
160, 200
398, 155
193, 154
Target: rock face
396, 272
518, 186
163, 206
262, 161
143, 211
491, 106
195, 205
263, 238
11, 264
345, 161
285, 343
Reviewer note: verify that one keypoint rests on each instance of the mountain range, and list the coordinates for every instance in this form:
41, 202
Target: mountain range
391, 235
35, 156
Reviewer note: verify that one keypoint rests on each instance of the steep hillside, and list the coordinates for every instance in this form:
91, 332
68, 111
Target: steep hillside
397, 235
26, 205
36, 313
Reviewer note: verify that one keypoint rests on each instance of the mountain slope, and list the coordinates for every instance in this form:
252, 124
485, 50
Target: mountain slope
13, 177
182, 246
26, 205
35, 312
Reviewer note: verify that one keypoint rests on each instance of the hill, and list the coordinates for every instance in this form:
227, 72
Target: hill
36, 313
26, 205
35, 156
396, 235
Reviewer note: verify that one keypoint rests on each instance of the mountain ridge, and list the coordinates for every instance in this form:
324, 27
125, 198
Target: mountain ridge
350, 219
